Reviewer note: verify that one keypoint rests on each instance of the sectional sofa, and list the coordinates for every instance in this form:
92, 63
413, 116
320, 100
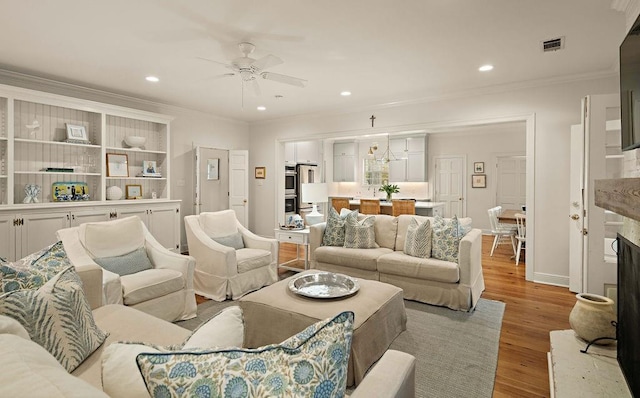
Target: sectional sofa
456, 285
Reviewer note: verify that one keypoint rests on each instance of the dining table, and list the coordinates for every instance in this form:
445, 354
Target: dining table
508, 216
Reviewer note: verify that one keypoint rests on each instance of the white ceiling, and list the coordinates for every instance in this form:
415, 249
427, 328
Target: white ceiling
381, 50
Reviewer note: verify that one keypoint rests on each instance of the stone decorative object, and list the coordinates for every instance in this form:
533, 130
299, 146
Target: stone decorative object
31, 192
591, 318
114, 193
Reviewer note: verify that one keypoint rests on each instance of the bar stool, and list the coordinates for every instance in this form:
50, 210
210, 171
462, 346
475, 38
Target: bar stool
340, 203
370, 206
403, 206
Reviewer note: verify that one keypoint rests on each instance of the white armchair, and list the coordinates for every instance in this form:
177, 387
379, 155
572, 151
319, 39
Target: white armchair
223, 271
163, 288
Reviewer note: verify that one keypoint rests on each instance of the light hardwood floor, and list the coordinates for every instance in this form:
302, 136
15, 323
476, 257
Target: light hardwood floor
532, 311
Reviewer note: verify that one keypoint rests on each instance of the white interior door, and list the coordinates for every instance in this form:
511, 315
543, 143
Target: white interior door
576, 210
239, 185
212, 179
511, 192
449, 184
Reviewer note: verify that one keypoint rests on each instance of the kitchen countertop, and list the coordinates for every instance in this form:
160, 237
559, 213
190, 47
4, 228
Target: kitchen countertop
419, 204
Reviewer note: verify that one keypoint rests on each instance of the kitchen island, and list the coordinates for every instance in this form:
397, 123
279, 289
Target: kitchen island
423, 208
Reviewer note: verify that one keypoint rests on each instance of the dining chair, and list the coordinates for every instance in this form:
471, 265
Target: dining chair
521, 234
501, 231
340, 203
369, 206
403, 206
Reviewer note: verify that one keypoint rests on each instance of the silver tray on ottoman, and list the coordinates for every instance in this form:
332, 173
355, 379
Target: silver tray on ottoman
324, 285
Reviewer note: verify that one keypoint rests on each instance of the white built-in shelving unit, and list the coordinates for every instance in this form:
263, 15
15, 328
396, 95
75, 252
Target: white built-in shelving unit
26, 152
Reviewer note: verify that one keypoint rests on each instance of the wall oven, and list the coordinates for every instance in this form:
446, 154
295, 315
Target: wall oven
290, 180
290, 204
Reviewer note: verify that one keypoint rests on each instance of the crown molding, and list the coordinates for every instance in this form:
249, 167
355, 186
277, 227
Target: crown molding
476, 92
23, 80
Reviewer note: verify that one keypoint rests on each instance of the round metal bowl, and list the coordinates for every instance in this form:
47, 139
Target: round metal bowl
324, 285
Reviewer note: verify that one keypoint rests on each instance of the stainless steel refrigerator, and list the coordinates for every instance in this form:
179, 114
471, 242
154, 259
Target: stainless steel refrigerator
307, 173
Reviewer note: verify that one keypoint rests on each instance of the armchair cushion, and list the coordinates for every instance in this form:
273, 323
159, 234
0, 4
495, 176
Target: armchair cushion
218, 224
233, 240
112, 238
249, 259
57, 316
150, 284
126, 264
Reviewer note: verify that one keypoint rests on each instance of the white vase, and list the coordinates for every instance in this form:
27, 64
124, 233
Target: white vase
591, 317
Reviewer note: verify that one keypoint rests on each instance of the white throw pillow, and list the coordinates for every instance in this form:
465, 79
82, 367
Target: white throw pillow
120, 374
9, 325
112, 238
224, 329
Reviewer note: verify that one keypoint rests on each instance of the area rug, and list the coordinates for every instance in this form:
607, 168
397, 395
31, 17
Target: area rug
456, 352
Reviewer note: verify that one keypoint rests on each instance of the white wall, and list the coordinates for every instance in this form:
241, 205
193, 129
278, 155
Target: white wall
478, 146
556, 107
189, 128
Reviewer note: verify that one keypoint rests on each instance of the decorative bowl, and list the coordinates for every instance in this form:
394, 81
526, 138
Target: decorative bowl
324, 285
135, 141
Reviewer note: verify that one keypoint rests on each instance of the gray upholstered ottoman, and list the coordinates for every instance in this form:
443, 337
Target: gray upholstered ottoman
273, 314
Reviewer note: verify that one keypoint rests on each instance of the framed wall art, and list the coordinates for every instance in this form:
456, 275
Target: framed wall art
76, 133
134, 192
149, 167
117, 165
478, 167
479, 181
261, 172
213, 169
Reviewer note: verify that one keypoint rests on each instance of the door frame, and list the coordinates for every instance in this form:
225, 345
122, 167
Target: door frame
463, 180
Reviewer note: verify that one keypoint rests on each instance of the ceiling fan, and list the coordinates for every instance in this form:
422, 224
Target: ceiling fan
251, 70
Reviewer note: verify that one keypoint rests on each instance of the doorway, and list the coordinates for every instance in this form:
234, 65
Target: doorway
450, 184
511, 189
212, 179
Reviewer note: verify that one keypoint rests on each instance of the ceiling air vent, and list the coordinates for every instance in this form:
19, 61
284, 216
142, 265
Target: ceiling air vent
553, 44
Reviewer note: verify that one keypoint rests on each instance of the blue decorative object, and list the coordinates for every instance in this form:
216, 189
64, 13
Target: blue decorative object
69, 191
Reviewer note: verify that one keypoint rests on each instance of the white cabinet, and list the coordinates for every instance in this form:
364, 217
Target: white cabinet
303, 152
410, 154
162, 221
7, 237
344, 161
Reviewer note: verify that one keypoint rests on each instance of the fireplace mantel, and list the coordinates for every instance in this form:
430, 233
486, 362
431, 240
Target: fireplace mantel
620, 195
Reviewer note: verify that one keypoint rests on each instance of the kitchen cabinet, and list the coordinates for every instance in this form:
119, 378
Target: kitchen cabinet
344, 161
410, 162
303, 152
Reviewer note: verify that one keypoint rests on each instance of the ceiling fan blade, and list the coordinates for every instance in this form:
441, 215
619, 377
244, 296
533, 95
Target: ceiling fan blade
230, 74
276, 77
229, 66
267, 62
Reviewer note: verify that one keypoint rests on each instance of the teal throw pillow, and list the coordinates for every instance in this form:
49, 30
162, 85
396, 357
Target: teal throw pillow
312, 363
360, 234
34, 270
233, 240
58, 317
447, 234
418, 239
126, 264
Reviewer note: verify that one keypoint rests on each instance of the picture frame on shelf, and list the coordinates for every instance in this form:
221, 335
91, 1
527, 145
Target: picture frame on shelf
133, 191
261, 173
149, 167
77, 134
117, 165
478, 167
479, 181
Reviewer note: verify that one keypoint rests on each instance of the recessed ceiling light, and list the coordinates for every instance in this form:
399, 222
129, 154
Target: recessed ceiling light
152, 79
262, 108
345, 93
485, 68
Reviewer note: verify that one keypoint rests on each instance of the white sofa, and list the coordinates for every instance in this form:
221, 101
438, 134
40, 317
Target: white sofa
221, 271
31, 371
165, 291
428, 280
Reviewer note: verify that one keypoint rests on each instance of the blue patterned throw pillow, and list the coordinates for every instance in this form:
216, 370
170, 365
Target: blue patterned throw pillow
418, 240
126, 264
335, 229
312, 363
447, 234
58, 317
34, 270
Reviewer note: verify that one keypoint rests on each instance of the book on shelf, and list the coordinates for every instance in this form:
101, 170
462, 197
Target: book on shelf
150, 175
58, 169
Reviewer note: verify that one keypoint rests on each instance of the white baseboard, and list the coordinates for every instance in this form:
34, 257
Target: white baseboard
551, 279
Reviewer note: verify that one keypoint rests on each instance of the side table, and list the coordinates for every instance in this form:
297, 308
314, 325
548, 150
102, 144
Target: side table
300, 237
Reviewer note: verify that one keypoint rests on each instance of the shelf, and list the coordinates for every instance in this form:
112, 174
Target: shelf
614, 157
132, 150
619, 195
28, 141
138, 178
53, 172
4, 139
